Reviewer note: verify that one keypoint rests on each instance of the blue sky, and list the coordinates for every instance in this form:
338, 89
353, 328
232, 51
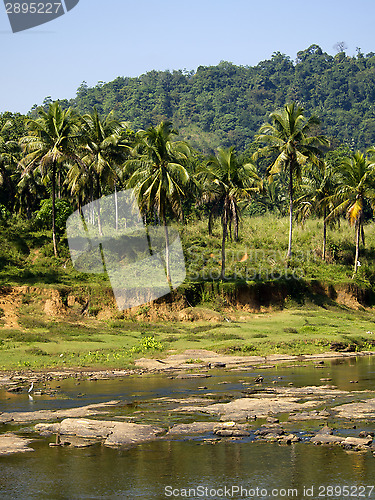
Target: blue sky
101, 39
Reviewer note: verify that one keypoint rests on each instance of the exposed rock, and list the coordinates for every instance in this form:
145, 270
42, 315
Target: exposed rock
327, 439
194, 428
231, 429
362, 410
325, 431
289, 439
112, 432
10, 443
354, 441
245, 408
272, 420
274, 429
32, 416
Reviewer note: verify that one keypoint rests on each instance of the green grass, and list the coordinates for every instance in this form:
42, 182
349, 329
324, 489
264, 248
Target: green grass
98, 344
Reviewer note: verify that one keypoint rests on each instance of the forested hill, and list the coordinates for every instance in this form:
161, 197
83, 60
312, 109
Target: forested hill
225, 104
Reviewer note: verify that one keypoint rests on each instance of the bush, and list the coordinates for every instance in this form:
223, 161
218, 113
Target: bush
43, 217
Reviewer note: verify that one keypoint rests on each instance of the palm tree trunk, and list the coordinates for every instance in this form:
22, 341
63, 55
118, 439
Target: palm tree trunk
357, 239
224, 222
98, 205
167, 251
324, 234
210, 220
116, 208
362, 232
54, 239
236, 223
289, 254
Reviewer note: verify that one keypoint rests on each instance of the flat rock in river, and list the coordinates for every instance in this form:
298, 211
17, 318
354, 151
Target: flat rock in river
10, 443
112, 432
362, 410
33, 416
244, 408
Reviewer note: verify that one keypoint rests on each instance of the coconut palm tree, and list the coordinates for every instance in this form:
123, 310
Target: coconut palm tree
103, 153
317, 197
356, 187
225, 182
9, 157
158, 175
289, 137
53, 139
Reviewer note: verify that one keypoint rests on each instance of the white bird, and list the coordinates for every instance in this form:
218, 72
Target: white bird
358, 263
29, 391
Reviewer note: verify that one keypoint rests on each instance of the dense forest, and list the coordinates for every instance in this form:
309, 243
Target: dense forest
225, 105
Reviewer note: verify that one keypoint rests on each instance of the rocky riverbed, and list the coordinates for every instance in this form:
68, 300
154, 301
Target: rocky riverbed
315, 414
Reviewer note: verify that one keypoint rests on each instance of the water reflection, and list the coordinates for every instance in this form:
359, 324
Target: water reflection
144, 472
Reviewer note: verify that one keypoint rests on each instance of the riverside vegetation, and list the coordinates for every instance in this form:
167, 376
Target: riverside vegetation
295, 239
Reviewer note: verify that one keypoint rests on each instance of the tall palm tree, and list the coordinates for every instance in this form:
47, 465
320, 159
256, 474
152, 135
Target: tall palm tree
53, 139
356, 186
225, 181
9, 157
159, 176
288, 135
317, 197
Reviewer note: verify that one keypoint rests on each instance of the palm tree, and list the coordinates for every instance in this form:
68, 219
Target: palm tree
53, 139
288, 136
9, 157
317, 197
356, 186
158, 175
225, 181
103, 153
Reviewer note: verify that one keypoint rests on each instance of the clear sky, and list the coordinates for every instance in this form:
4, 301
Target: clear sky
99, 40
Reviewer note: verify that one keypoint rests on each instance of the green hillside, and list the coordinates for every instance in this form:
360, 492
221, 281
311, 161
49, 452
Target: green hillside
225, 104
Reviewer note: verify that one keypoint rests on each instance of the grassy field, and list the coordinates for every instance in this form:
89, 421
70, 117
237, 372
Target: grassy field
116, 343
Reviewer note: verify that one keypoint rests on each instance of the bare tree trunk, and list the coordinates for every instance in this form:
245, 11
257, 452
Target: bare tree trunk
210, 220
357, 239
324, 234
236, 223
224, 221
54, 238
362, 232
289, 254
167, 251
116, 208
98, 205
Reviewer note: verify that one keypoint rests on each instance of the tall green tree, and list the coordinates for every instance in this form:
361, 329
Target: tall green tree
102, 156
317, 197
356, 186
289, 135
9, 157
53, 139
225, 182
159, 176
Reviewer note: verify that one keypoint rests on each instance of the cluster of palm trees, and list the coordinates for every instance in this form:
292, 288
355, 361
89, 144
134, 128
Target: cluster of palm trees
82, 158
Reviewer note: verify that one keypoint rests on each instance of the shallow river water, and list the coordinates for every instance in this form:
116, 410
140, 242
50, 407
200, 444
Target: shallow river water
189, 468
